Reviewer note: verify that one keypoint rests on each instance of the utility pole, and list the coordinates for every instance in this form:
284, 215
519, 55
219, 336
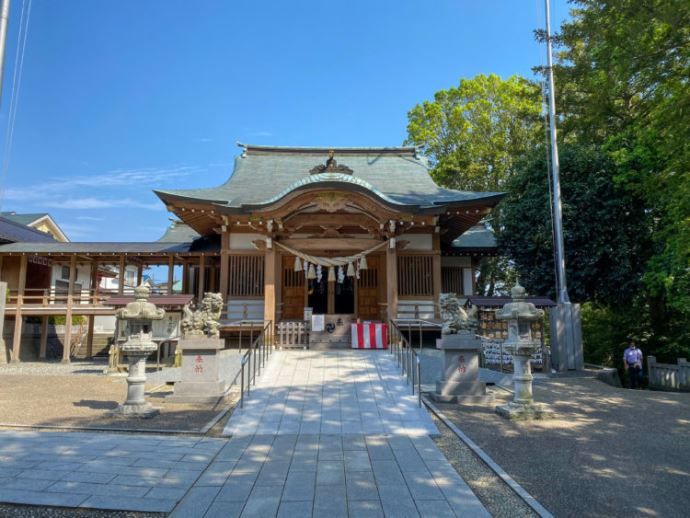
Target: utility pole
4, 18
566, 328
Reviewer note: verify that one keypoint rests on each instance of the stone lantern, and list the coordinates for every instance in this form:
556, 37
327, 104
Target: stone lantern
521, 345
138, 317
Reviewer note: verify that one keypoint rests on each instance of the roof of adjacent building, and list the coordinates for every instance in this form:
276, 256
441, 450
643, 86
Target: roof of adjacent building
34, 218
263, 174
477, 238
178, 232
12, 231
177, 299
102, 248
493, 302
24, 219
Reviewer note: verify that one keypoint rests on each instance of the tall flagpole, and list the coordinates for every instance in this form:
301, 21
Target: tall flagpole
555, 171
4, 17
566, 327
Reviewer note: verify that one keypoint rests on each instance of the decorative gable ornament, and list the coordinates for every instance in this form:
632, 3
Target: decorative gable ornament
331, 166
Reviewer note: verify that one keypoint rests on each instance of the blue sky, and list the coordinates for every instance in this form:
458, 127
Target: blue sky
121, 97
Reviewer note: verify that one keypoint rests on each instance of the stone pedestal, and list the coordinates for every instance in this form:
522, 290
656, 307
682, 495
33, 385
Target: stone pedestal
523, 406
202, 380
136, 404
460, 382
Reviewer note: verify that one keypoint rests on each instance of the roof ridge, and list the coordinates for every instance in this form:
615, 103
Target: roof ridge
408, 150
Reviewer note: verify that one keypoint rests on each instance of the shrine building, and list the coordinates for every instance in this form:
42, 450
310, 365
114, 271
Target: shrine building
352, 233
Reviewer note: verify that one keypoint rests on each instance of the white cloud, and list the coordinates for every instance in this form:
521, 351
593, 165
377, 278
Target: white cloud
100, 203
90, 218
75, 231
96, 191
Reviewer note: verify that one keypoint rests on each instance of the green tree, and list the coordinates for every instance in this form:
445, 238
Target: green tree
622, 83
475, 132
606, 232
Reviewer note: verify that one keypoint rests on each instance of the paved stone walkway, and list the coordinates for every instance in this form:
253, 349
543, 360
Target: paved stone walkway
331, 392
101, 470
330, 476
325, 434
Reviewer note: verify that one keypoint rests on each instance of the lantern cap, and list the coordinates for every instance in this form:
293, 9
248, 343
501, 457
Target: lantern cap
141, 308
518, 308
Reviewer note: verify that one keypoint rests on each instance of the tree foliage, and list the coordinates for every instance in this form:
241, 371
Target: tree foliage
605, 230
475, 132
624, 85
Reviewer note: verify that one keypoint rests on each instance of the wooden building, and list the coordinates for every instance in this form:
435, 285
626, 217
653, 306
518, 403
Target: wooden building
401, 240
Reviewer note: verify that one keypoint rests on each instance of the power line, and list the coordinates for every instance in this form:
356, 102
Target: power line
16, 88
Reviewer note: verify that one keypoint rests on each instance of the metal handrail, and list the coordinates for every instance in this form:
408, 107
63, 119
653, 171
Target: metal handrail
420, 320
419, 325
407, 359
254, 359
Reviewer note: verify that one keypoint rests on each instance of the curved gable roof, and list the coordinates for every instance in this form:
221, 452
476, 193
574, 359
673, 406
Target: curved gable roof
261, 174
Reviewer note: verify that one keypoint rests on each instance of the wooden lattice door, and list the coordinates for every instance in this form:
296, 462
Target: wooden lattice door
368, 290
293, 290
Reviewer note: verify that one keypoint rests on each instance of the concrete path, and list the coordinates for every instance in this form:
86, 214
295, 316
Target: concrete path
331, 392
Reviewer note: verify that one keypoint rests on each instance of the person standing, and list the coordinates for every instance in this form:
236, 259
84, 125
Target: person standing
632, 358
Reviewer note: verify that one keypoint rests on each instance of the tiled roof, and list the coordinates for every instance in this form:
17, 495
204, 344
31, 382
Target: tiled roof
178, 232
497, 302
23, 219
477, 237
11, 232
104, 248
265, 173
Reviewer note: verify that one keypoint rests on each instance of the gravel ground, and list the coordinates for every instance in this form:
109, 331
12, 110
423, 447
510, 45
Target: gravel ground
498, 498
83, 401
51, 368
30, 511
607, 452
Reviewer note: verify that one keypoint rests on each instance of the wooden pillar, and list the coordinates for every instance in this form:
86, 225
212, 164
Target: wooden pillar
92, 318
270, 280
202, 278
185, 278
89, 336
436, 273
392, 281
171, 274
140, 274
211, 282
42, 349
94, 281
18, 319
67, 340
224, 264
121, 276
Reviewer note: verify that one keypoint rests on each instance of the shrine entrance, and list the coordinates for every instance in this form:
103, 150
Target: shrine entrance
345, 296
327, 298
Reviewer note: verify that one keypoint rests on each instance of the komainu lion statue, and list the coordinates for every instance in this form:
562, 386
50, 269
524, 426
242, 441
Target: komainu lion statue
455, 318
204, 318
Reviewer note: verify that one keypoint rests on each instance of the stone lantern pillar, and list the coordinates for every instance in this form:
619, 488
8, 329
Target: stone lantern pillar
138, 317
521, 345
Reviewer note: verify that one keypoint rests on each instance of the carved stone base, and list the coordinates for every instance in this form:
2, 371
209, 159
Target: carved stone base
144, 410
202, 380
482, 399
524, 412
